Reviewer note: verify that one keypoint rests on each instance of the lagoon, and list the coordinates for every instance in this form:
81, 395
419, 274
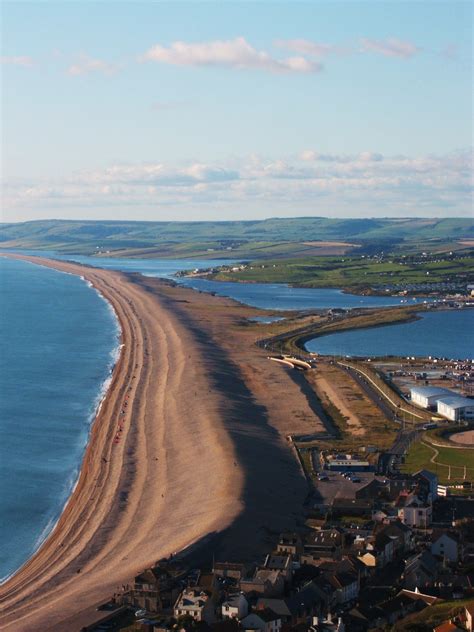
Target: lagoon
443, 333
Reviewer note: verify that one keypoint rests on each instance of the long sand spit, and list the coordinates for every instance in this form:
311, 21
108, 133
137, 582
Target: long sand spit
201, 457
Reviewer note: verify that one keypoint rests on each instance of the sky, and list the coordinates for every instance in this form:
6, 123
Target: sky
236, 110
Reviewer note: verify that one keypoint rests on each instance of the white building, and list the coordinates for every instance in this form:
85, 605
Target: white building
427, 396
235, 607
195, 603
416, 514
456, 408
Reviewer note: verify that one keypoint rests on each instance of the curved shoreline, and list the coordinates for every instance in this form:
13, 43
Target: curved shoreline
115, 523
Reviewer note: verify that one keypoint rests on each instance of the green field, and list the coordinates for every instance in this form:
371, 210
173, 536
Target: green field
449, 464
357, 271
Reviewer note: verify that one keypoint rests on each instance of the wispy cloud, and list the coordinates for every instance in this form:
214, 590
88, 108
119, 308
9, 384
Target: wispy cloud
17, 60
236, 53
309, 47
86, 65
335, 184
391, 47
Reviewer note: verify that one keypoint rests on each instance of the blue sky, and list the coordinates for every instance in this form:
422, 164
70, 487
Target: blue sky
222, 110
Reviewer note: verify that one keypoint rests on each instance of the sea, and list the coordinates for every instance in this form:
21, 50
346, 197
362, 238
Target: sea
58, 344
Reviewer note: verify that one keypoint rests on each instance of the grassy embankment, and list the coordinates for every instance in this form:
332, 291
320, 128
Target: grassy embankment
355, 273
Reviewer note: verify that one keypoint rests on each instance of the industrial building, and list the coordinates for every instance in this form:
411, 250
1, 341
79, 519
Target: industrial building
456, 408
427, 396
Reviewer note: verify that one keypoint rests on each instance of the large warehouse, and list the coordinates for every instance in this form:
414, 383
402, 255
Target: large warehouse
456, 408
427, 396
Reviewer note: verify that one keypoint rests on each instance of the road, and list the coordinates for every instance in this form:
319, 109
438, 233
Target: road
404, 437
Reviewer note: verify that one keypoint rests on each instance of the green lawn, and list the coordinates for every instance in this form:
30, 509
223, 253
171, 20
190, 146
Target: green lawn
419, 457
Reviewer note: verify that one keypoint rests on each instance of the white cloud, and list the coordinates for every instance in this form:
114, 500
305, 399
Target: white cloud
391, 47
236, 53
308, 47
313, 183
86, 65
17, 60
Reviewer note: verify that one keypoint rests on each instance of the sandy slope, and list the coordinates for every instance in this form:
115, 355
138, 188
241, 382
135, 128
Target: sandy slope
170, 480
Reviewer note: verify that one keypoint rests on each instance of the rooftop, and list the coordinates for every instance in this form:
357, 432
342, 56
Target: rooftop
456, 401
430, 391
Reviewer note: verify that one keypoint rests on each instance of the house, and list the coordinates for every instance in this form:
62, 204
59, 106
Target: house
416, 513
263, 620
384, 548
448, 546
310, 600
327, 543
195, 603
235, 607
155, 589
281, 563
421, 570
265, 582
290, 543
400, 535
428, 484
229, 569
346, 586
278, 606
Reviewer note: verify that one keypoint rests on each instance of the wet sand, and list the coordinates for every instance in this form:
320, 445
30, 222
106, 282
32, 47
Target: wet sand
202, 454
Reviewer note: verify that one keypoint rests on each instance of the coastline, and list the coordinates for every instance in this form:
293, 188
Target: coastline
66, 569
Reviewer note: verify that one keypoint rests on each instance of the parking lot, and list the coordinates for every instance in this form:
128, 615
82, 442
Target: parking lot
339, 487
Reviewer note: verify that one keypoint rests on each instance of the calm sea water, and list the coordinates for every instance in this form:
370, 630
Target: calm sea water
58, 340
446, 334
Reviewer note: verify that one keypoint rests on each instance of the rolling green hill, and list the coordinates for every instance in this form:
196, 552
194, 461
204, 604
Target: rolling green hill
256, 239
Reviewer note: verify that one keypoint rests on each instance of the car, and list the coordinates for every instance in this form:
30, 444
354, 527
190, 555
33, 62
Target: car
348, 474
140, 614
356, 479
323, 477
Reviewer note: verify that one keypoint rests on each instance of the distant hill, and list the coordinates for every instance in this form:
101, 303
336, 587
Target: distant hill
202, 238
